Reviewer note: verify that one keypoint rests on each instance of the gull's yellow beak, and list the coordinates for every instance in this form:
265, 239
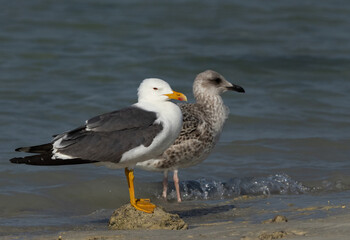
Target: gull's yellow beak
177, 95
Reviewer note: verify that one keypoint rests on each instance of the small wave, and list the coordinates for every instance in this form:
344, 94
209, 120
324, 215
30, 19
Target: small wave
210, 189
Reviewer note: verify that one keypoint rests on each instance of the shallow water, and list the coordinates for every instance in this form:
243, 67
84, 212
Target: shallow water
64, 62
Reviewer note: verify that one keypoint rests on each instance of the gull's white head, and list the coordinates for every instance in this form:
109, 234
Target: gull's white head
155, 89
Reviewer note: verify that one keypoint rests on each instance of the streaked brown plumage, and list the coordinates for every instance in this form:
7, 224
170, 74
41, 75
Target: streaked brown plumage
202, 124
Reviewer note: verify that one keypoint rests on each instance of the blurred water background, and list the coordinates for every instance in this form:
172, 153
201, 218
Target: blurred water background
62, 62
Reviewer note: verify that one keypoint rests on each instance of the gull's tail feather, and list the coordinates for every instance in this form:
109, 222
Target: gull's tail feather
46, 159
44, 148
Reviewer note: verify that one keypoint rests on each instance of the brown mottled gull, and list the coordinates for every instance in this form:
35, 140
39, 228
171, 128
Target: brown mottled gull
202, 124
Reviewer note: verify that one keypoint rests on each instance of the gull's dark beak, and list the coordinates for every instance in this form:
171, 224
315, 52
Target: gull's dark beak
236, 88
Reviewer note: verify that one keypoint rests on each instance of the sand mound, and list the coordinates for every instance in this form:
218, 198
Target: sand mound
127, 217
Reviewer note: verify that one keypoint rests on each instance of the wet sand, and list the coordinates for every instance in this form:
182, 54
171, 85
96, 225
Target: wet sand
326, 221
334, 227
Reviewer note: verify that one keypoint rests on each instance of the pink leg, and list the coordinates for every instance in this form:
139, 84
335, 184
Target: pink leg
165, 185
177, 187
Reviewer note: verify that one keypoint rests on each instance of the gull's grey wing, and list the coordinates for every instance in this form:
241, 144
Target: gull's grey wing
127, 118
108, 136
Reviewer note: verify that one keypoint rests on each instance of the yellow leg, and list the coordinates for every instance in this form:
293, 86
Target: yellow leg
144, 205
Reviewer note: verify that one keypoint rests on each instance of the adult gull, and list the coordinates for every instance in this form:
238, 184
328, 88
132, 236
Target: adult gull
124, 137
202, 124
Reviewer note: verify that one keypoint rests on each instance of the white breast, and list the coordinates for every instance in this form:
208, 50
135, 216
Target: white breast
170, 116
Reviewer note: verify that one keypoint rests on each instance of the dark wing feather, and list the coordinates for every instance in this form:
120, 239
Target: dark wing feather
46, 160
44, 148
127, 118
109, 146
104, 138
110, 135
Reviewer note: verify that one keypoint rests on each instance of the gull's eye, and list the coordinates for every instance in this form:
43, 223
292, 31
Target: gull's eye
155, 88
217, 80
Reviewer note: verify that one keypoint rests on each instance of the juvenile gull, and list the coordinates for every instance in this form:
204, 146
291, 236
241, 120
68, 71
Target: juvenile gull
202, 124
124, 137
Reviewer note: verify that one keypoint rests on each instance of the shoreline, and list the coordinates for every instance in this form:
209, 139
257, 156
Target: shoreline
333, 227
312, 222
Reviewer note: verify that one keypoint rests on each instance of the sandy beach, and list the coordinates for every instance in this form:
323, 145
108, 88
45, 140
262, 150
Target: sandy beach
334, 227
327, 221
